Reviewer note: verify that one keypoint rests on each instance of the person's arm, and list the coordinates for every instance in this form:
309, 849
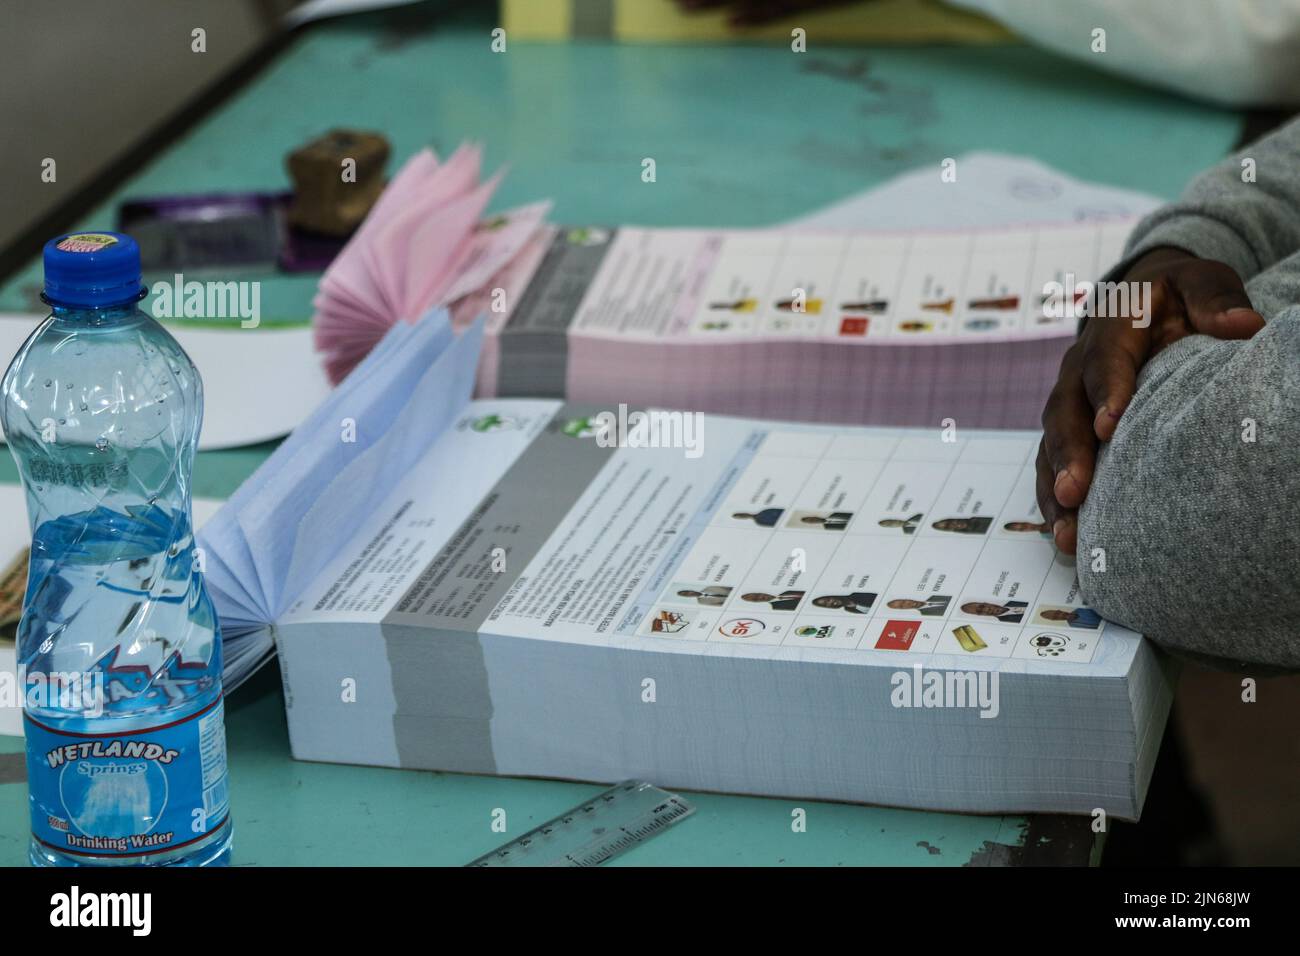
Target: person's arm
1242, 53
1190, 532
1247, 225
1193, 255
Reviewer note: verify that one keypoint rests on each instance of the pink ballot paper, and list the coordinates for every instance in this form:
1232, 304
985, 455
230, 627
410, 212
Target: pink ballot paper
901, 327
424, 244
526, 587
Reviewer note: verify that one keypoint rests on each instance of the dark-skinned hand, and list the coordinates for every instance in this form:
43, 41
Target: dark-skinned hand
1188, 296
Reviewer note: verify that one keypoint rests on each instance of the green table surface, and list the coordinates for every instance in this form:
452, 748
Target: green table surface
742, 135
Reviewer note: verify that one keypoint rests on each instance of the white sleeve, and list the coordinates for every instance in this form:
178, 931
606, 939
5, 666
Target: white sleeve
1234, 52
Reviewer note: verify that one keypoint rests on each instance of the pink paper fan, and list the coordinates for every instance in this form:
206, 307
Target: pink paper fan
424, 244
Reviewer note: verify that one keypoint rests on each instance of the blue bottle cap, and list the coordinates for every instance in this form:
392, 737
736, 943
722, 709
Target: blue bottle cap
92, 269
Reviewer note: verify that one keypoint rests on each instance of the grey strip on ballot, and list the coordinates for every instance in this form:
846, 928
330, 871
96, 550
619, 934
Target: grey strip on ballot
443, 706
534, 360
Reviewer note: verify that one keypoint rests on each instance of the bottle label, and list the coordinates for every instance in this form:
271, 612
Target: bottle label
134, 793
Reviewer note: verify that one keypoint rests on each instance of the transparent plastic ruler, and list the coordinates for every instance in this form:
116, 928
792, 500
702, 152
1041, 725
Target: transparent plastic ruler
624, 816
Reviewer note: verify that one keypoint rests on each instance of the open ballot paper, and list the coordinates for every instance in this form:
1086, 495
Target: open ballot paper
536, 588
882, 327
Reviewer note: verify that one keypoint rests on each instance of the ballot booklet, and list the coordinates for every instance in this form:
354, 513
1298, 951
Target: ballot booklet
874, 327
879, 326
537, 588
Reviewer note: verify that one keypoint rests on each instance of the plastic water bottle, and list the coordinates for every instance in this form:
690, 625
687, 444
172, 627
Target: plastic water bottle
119, 647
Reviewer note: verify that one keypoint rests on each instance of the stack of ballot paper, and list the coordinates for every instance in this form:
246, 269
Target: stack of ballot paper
899, 327
902, 328
529, 587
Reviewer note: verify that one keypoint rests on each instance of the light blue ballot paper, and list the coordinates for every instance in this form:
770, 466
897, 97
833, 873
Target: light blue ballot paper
529, 587
308, 499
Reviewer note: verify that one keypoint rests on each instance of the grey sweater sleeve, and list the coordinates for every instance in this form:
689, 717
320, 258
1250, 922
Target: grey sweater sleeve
1249, 225
1191, 530
1193, 506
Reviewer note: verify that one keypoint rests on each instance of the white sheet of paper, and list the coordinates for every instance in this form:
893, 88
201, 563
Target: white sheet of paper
258, 384
14, 536
990, 189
